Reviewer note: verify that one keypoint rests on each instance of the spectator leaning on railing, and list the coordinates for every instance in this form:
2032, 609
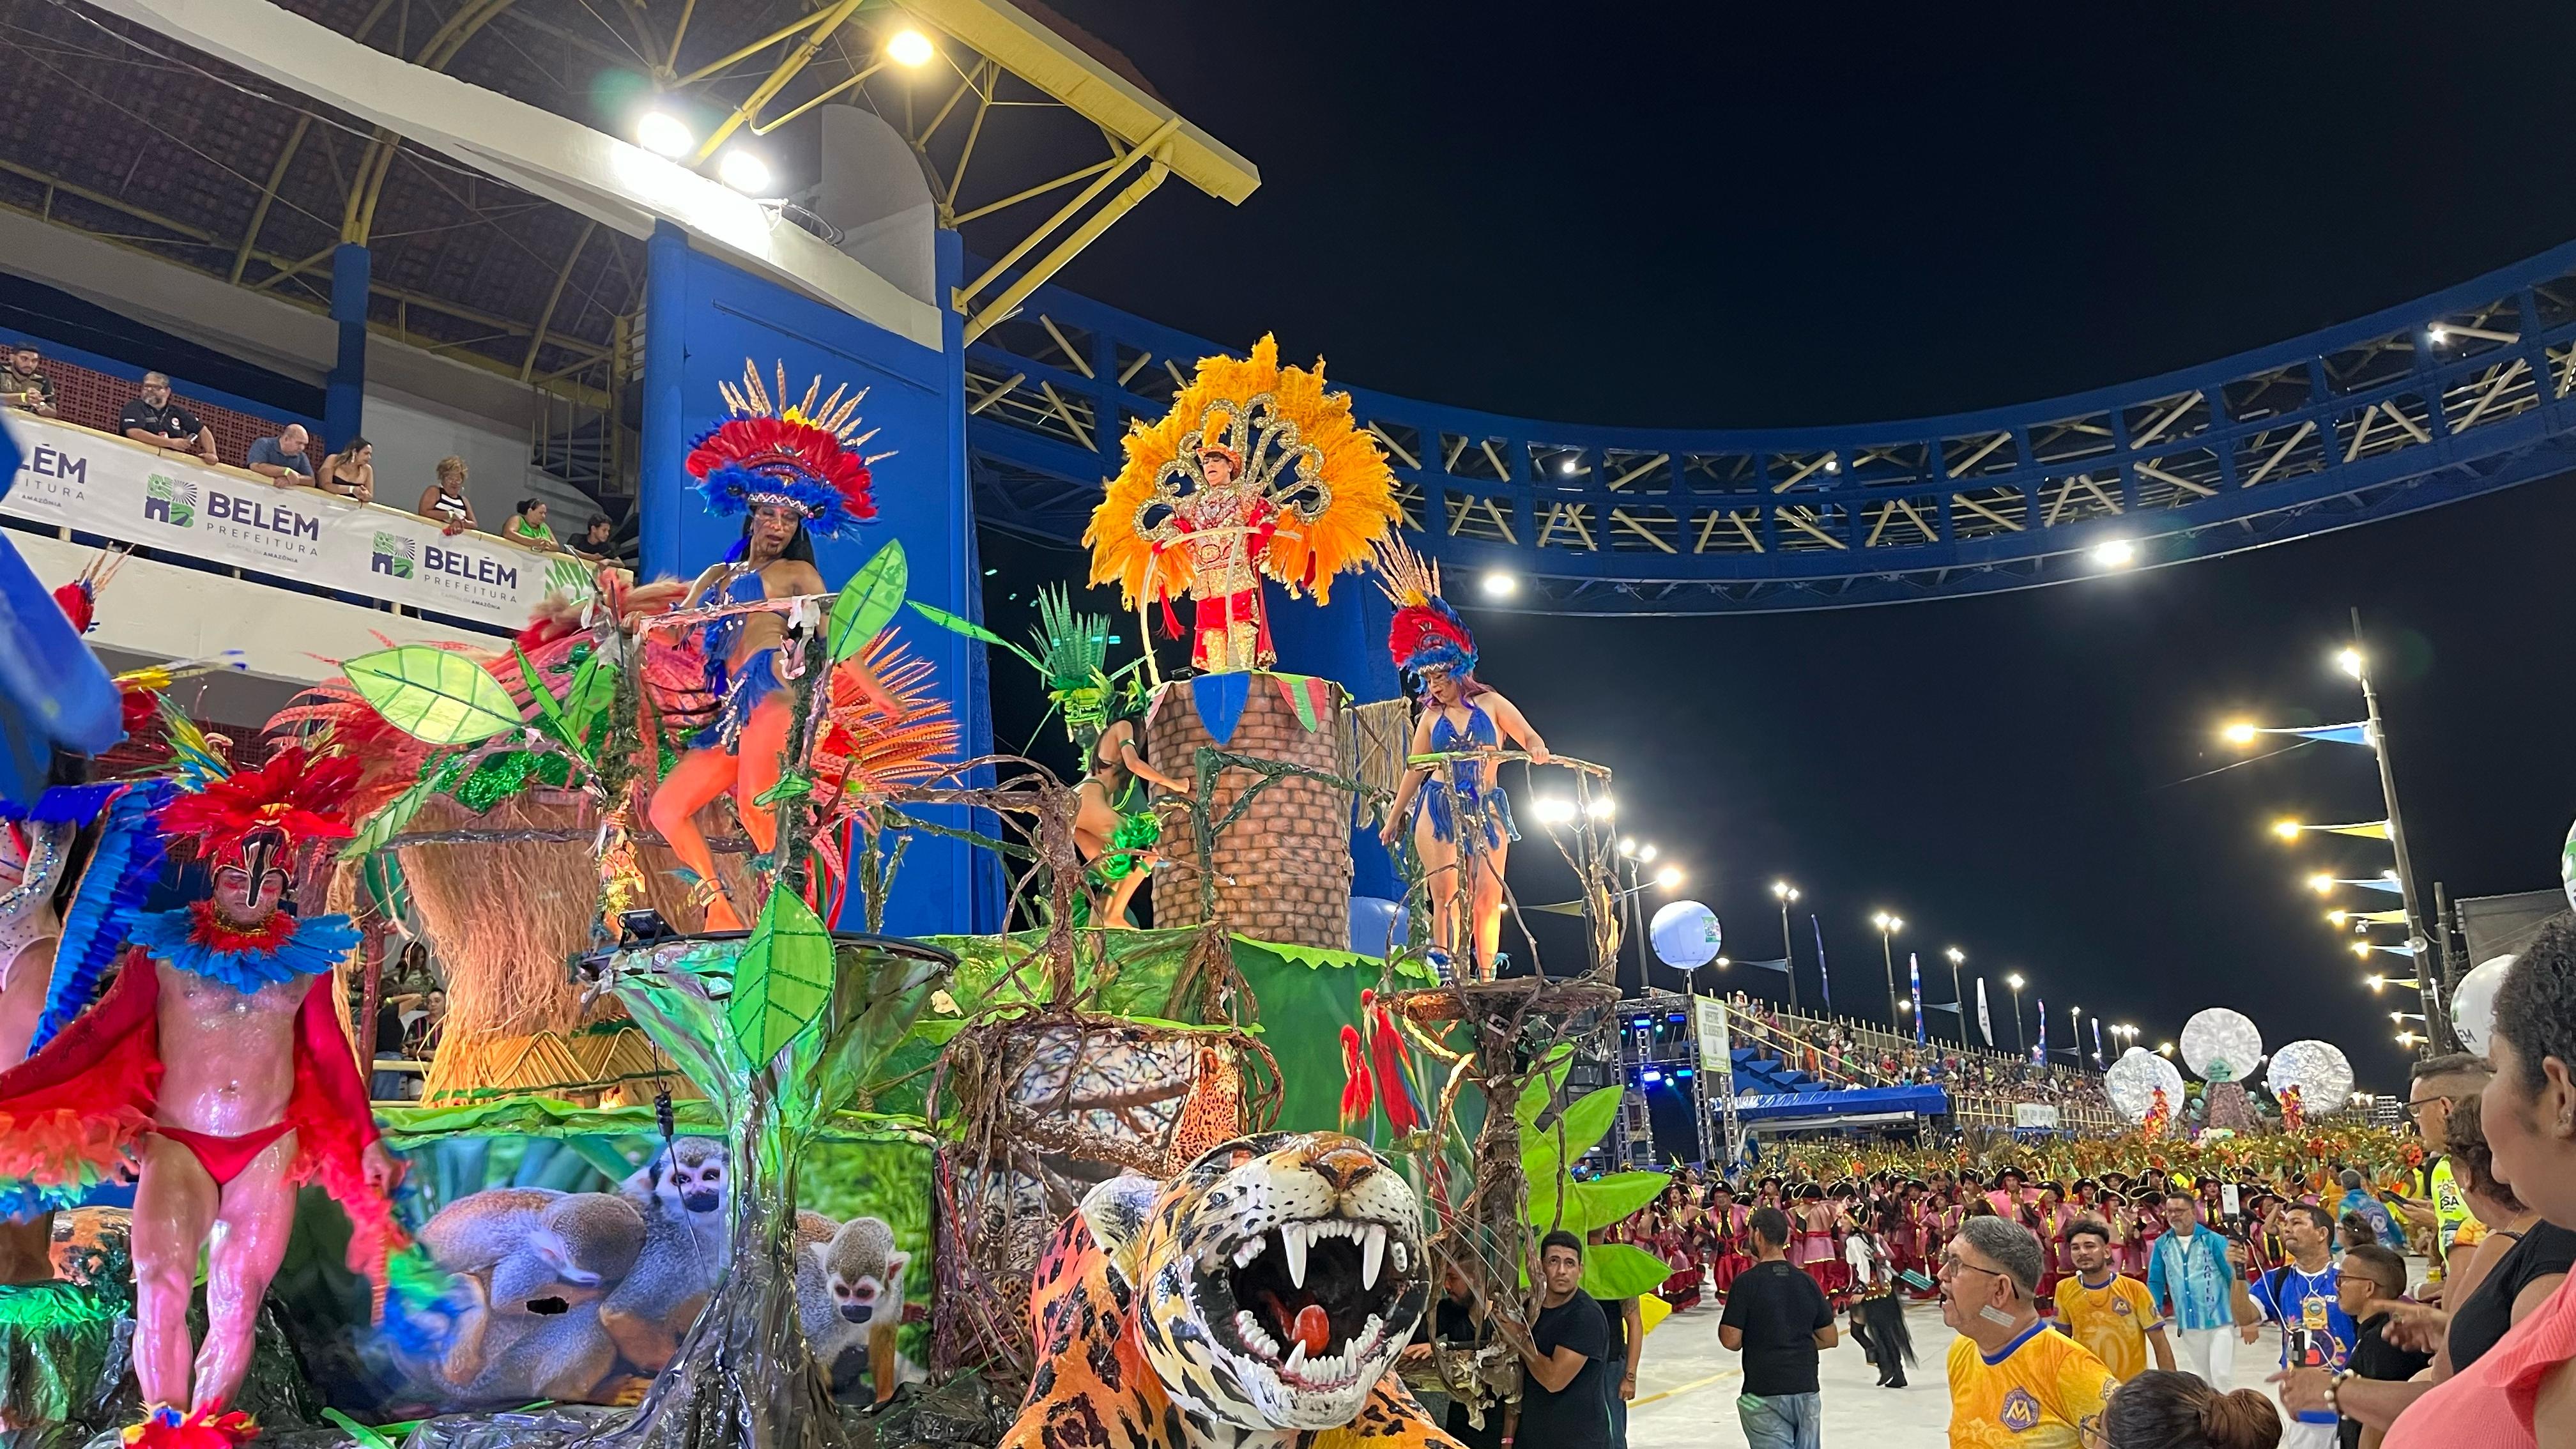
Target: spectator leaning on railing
23, 384
351, 472
596, 543
445, 499
286, 458
154, 418
528, 525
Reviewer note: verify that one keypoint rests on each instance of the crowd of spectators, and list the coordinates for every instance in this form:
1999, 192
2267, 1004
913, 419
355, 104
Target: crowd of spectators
287, 459
1836, 1049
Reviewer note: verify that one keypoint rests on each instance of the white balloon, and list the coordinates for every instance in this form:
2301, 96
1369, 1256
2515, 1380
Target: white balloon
2473, 1002
1685, 934
2318, 1069
2567, 867
2220, 1045
2132, 1081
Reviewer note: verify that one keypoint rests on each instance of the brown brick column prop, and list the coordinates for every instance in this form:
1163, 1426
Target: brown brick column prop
1283, 871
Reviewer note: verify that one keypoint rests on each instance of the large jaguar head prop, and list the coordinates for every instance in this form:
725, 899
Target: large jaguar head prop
1275, 1278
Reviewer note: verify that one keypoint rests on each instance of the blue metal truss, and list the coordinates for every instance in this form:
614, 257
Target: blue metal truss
2460, 393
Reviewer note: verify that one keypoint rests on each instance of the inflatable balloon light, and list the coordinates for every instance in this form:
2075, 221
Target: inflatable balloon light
1685, 934
2220, 1045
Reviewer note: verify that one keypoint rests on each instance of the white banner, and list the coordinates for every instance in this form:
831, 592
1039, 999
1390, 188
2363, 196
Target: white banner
74, 478
1716, 1045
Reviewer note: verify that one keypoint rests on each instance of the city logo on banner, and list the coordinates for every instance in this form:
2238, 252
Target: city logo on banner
394, 555
170, 500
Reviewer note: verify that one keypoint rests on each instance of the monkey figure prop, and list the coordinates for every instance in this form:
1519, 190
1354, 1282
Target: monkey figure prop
849, 1292
683, 1195
535, 1264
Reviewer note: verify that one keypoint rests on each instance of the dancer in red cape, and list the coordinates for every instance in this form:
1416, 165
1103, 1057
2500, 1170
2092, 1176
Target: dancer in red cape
216, 1069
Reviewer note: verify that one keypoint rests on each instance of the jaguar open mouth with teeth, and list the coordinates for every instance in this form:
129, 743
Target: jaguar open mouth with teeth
1322, 1304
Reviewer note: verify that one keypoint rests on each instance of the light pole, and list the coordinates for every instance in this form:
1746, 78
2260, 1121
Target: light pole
1786, 893
2356, 664
1888, 926
2021, 1040
1956, 956
2077, 1032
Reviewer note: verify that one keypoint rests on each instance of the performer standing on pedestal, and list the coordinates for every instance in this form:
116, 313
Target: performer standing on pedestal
790, 472
1256, 472
217, 1066
1464, 829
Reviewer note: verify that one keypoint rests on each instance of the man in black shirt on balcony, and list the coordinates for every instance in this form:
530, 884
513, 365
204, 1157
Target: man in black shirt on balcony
154, 418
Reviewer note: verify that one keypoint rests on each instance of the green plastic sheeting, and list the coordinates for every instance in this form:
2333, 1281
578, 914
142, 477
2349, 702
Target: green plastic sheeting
1301, 998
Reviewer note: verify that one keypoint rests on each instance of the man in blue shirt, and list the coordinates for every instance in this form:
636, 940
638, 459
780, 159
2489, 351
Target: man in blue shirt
2191, 1279
286, 458
2300, 1296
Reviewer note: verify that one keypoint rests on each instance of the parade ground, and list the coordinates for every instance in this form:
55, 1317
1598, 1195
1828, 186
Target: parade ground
1687, 1384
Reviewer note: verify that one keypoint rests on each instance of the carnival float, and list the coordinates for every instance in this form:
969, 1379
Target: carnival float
703, 1156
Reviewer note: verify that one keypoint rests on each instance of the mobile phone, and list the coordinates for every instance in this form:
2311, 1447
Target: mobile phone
2228, 1201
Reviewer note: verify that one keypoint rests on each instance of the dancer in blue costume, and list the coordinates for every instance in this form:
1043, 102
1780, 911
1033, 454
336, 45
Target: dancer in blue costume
1461, 820
789, 471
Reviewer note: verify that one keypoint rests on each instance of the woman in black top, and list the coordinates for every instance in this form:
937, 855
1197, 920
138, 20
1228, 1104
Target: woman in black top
2535, 1255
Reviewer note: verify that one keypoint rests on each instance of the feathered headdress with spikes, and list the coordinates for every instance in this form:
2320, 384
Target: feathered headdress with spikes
1427, 633
805, 455
284, 804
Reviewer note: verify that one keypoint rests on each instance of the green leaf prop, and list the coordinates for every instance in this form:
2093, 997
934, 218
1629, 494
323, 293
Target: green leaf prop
548, 709
438, 695
868, 602
588, 698
972, 630
1544, 1084
392, 816
1613, 1271
782, 979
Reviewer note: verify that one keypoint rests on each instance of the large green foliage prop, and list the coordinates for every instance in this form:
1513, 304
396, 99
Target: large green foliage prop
1550, 1143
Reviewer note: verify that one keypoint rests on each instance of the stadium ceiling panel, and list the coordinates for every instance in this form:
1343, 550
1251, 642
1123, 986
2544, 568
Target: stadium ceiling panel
247, 141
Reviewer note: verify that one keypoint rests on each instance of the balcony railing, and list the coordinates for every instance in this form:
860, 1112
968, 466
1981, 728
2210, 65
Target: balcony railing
78, 482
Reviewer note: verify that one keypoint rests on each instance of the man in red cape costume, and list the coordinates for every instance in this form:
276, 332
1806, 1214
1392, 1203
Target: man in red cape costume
216, 1069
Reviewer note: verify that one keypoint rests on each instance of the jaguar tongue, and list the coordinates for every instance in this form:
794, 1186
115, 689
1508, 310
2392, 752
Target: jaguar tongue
1314, 1329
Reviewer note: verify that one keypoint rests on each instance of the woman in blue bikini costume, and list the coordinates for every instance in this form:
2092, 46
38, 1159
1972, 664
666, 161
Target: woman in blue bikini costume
790, 472
1460, 802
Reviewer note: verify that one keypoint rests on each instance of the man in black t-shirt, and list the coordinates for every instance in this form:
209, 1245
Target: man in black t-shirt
1565, 1391
154, 418
1778, 1319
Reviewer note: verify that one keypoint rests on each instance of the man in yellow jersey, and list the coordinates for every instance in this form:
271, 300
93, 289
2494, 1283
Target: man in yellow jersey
2013, 1384
2437, 1083
2107, 1312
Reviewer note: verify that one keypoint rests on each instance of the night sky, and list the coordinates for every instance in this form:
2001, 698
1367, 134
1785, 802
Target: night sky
1833, 213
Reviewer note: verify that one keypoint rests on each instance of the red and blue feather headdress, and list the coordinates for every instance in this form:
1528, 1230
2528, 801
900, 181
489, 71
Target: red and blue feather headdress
805, 456
1427, 633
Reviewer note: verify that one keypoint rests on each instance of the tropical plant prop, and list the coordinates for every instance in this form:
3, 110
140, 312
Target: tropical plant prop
1552, 1140
834, 1007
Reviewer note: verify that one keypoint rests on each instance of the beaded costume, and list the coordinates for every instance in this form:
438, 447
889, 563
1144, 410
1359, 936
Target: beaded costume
1256, 472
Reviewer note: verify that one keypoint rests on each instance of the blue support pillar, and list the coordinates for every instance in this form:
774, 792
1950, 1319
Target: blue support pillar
344, 398
661, 484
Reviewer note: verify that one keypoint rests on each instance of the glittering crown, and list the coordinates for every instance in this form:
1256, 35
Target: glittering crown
805, 456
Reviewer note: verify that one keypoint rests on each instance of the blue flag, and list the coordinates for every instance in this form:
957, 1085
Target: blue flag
2097, 1041
1824, 980
2040, 1057
1914, 974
